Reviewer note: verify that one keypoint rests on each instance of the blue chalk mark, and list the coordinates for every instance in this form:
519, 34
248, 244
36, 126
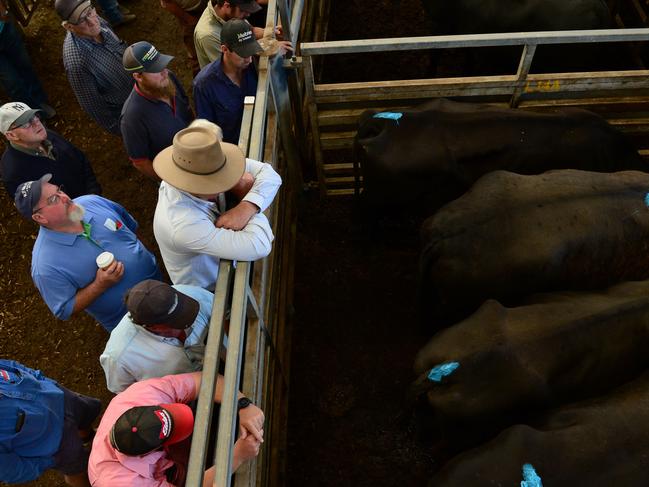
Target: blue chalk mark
389, 115
440, 371
646, 199
530, 477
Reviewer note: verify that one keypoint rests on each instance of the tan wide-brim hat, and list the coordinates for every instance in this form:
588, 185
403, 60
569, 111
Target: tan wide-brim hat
199, 163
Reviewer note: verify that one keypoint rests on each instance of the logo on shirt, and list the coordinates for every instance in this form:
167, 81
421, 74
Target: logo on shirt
113, 225
4, 375
165, 419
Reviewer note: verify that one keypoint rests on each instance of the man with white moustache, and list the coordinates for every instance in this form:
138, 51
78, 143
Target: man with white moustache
73, 234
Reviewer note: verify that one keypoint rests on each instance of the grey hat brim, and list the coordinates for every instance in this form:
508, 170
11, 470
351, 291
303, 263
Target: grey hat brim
161, 62
22, 119
251, 48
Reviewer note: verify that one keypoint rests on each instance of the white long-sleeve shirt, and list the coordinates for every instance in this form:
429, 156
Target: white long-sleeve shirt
190, 244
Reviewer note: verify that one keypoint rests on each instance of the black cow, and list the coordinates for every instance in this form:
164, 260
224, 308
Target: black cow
597, 443
560, 347
491, 16
422, 158
485, 16
513, 235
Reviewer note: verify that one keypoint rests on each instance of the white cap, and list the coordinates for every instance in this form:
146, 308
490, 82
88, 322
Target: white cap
105, 259
15, 113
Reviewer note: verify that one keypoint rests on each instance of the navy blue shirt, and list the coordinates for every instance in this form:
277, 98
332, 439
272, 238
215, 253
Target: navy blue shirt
69, 168
149, 125
219, 100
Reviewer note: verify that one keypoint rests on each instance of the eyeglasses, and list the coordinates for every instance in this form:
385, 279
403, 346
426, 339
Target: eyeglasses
29, 123
91, 12
52, 200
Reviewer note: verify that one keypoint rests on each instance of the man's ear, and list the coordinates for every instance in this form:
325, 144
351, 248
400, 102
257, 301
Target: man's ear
137, 77
38, 218
224, 48
67, 26
11, 136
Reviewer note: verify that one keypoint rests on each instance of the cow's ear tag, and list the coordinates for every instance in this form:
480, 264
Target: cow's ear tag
440, 371
530, 477
389, 115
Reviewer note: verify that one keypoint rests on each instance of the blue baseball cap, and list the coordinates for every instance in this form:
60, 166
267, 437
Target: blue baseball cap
143, 57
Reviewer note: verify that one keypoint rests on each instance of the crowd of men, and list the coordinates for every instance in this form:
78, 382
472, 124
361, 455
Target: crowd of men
87, 255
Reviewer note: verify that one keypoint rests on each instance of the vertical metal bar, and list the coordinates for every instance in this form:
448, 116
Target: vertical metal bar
246, 123
285, 19
198, 452
255, 149
282, 102
523, 69
296, 20
313, 116
228, 413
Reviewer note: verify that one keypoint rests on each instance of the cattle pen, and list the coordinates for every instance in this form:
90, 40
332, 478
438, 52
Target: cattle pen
297, 122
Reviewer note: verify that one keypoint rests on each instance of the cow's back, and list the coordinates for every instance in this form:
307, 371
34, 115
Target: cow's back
513, 235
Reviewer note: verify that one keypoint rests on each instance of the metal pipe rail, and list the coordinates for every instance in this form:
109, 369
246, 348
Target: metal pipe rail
325, 100
473, 40
247, 329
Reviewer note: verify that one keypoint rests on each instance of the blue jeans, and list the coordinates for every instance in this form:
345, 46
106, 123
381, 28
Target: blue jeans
110, 10
17, 75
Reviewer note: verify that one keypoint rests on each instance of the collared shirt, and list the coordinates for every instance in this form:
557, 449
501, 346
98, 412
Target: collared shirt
110, 468
68, 166
133, 353
64, 263
31, 422
97, 76
191, 245
46, 144
149, 125
207, 36
219, 100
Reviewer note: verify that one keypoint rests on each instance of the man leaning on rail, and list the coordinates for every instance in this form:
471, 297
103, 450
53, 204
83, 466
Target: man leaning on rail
143, 439
192, 225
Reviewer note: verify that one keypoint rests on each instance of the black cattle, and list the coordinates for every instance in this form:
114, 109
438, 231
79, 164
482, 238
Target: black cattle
485, 16
422, 158
512, 235
492, 16
560, 347
597, 443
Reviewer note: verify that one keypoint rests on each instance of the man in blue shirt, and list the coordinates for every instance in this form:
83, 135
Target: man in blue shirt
221, 87
155, 110
72, 234
42, 425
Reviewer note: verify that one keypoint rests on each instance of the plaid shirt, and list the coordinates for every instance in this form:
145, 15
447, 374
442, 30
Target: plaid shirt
97, 77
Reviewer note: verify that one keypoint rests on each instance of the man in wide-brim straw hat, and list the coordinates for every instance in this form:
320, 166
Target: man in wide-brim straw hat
192, 226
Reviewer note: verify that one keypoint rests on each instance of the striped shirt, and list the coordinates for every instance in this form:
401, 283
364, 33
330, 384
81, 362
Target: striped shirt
97, 77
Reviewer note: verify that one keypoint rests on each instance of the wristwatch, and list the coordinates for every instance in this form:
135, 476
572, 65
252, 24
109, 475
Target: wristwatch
243, 403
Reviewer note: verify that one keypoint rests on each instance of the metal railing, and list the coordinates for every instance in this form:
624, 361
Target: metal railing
244, 289
360, 95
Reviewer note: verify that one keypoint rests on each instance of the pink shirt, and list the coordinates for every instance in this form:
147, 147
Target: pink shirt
110, 468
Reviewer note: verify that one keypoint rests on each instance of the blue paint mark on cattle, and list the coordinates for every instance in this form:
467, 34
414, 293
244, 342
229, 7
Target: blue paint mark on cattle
440, 371
646, 199
390, 116
530, 477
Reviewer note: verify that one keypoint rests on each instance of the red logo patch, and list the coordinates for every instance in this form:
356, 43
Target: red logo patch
4, 374
119, 224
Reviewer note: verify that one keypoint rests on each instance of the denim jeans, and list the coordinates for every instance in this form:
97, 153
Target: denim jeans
110, 11
17, 75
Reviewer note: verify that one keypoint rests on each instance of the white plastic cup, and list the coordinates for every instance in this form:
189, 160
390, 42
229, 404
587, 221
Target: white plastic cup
105, 259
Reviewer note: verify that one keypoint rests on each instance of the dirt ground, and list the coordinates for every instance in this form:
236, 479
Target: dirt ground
68, 351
